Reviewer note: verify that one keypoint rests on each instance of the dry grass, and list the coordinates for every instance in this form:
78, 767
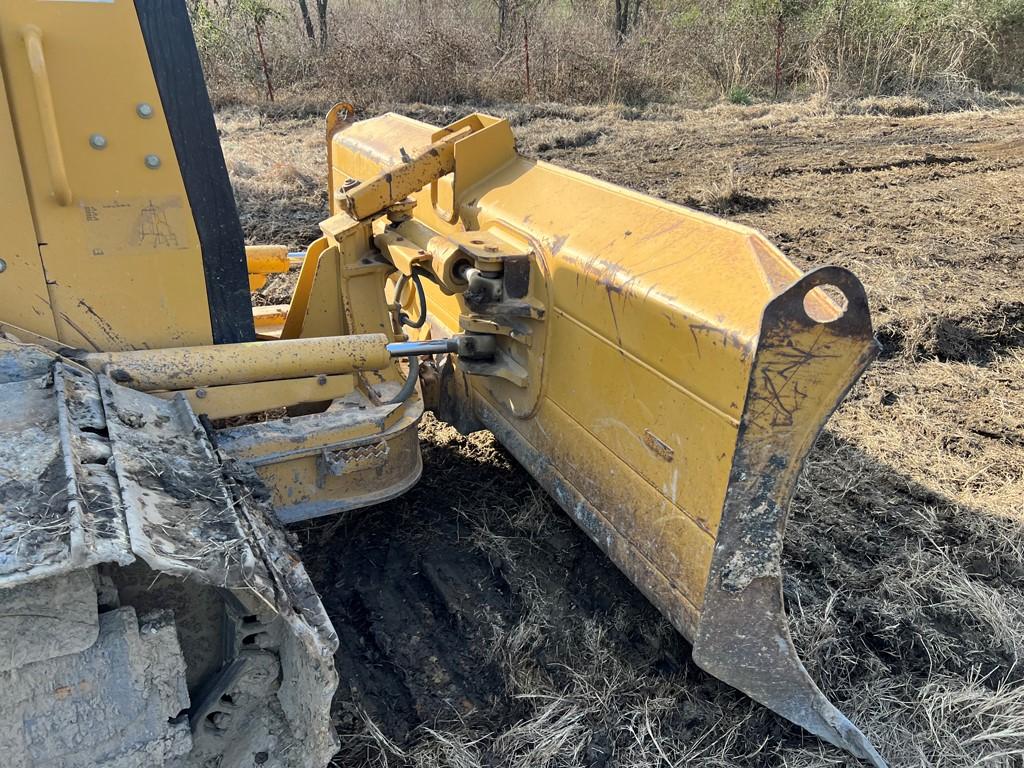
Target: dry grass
905, 554
459, 51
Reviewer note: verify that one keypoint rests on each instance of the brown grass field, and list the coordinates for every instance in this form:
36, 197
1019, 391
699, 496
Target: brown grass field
479, 627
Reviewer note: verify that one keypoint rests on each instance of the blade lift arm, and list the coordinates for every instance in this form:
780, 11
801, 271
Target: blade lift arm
248, 362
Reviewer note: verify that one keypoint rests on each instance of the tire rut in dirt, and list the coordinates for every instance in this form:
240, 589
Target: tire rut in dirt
426, 592
412, 625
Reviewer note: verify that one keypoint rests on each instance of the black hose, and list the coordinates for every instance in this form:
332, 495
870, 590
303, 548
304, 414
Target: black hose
410, 382
420, 295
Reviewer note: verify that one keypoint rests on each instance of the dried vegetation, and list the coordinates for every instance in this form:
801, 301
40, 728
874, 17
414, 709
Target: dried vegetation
626, 51
480, 628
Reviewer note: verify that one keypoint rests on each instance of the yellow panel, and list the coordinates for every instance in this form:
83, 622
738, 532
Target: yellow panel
240, 399
661, 293
298, 307
122, 259
634, 412
267, 259
654, 277
678, 547
23, 293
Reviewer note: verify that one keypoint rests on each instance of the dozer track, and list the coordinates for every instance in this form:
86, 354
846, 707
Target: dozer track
153, 614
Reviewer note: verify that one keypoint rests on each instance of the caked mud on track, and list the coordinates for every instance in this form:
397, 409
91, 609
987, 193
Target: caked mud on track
480, 627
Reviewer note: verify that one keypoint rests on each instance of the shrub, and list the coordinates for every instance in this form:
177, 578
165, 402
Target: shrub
737, 94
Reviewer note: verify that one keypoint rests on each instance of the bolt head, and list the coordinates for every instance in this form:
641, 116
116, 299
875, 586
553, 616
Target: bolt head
97, 141
200, 393
152, 162
321, 379
144, 110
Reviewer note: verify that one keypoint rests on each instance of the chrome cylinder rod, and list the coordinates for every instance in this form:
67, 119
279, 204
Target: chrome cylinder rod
431, 347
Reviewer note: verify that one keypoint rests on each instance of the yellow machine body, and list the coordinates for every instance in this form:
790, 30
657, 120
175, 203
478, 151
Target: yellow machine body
121, 234
83, 208
661, 372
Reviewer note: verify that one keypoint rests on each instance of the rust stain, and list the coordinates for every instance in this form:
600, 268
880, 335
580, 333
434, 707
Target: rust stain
106, 327
658, 447
728, 337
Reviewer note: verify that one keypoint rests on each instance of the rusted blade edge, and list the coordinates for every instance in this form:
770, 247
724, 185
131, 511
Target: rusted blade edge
801, 371
744, 641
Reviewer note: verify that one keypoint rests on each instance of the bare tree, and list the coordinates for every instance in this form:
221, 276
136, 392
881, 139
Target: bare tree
306, 20
787, 11
521, 11
526, 51
624, 16
513, 15
321, 15
259, 12
505, 10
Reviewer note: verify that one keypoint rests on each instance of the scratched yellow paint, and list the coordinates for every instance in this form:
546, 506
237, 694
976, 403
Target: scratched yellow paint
639, 512
23, 285
629, 406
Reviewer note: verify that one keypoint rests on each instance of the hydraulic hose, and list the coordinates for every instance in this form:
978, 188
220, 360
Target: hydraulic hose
420, 295
410, 382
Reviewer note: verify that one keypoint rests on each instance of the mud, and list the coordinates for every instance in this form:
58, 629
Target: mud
35, 524
478, 623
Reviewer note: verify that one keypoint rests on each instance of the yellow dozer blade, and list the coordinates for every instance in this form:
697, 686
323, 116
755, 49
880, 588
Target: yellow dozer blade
662, 373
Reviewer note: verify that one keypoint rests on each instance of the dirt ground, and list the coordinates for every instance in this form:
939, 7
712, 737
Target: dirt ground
479, 627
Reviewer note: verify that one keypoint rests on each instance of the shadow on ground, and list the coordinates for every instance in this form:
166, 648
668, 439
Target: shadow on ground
470, 603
